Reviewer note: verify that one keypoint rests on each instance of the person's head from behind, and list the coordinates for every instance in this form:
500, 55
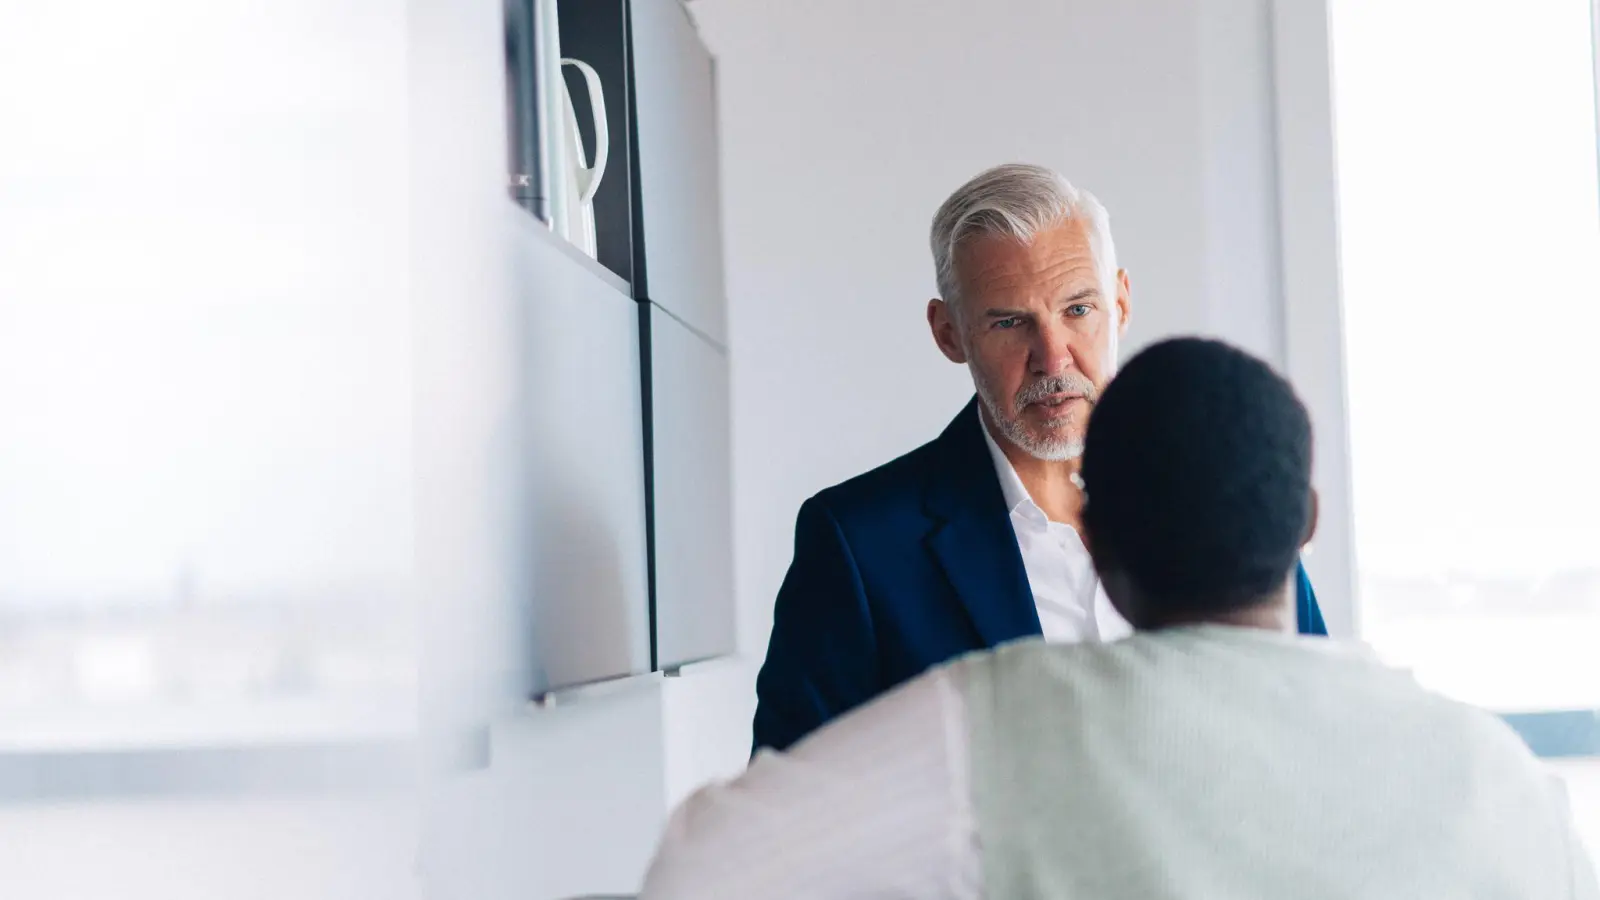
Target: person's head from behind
1197, 473
1031, 301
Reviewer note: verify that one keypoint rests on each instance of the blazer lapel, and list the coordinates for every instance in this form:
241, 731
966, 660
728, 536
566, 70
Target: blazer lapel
972, 537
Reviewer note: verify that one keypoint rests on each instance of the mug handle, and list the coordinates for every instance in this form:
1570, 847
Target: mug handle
602, 133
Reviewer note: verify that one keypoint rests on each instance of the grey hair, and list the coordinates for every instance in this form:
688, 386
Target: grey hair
1017, 201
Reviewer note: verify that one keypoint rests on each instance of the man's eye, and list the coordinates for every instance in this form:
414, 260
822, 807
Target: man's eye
1005, 324
1078, 310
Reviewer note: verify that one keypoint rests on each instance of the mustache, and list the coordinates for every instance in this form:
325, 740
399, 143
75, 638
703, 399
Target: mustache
1070, 383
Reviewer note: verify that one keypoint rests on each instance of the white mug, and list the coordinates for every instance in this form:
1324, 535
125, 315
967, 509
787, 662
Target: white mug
572, 181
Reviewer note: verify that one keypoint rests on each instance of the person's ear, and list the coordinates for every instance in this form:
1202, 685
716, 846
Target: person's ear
1119, 590
941, 321
1312, 519
1124, 303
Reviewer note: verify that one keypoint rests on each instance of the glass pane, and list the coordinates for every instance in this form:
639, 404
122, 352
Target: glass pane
1471, 247
205, 423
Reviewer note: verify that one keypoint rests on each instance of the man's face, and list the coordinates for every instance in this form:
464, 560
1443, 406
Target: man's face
1038, 332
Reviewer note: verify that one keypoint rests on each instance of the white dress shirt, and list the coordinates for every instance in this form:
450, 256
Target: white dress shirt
1391, 792
1071, 603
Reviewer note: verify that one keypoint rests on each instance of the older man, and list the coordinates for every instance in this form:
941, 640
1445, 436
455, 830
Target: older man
972, 540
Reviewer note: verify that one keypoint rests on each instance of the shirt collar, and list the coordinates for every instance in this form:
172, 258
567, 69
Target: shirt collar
1011, 486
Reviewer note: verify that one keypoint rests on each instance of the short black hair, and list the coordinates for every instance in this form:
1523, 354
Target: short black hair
1197, 476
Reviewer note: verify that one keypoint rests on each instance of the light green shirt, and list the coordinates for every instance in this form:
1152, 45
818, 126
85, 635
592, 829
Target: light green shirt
1218, 762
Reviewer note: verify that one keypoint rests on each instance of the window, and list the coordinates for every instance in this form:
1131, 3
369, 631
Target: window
205, 421
1469, 194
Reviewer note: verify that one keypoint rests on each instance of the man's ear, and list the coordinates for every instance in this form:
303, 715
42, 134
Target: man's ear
1124, 303
945, 333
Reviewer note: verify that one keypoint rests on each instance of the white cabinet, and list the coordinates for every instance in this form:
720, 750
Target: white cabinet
692, 491
680, 208
584, 439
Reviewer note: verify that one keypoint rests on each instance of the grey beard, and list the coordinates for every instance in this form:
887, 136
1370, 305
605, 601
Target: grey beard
1008, 421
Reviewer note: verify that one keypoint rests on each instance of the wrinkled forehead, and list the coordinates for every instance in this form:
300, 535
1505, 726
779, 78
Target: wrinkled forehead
1057, 263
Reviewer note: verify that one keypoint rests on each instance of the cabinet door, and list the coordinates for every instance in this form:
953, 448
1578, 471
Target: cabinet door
680, 217
584, 436
693, 494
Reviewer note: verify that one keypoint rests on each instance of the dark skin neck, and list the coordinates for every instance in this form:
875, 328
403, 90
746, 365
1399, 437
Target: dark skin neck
1273, 612
1271, 615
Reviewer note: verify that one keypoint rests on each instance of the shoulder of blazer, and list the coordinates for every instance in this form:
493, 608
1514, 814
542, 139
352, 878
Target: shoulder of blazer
899, 486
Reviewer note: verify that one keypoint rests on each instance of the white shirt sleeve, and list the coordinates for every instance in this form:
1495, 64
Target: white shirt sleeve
876, 804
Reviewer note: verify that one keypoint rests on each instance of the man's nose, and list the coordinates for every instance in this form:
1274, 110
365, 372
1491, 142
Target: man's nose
1052, 350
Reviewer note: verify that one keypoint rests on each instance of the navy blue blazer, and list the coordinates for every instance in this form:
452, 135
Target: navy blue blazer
897, 571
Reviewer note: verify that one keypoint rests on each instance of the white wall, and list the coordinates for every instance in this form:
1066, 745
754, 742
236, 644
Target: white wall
844, 125
1314, 338
570, 803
